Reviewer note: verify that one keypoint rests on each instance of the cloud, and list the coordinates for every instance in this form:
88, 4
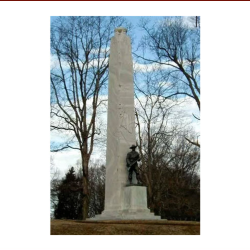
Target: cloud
140, 67
65, 159
190, 108
189, 21
100, 61
165, 84
183, 111
102, 51
54, 63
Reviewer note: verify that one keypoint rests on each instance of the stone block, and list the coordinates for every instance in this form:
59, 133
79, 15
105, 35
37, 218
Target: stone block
134, 206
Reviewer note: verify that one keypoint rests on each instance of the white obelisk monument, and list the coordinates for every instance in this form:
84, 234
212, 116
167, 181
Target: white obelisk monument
121, 201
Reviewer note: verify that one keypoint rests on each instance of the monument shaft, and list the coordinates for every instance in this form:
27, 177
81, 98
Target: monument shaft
121, 201
121, 118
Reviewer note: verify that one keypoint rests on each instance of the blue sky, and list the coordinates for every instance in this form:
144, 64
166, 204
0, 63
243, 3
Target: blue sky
134, 20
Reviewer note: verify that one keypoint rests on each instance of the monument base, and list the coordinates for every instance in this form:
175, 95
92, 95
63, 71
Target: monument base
134, 207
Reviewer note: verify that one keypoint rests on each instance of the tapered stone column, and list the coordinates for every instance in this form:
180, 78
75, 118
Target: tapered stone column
121, 121
119, 199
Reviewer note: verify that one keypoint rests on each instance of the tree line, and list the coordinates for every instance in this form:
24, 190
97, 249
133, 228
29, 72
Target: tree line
172, 180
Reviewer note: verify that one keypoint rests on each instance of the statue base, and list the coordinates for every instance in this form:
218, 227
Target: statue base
134, 206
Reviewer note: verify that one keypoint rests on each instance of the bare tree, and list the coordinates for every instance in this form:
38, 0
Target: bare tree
79, 72
174, 48
160, 125
169, 166
182, 196
157, 122
54, 182
96, 188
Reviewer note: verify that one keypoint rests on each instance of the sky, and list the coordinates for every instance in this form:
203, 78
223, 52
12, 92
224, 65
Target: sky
65, 159
24, 186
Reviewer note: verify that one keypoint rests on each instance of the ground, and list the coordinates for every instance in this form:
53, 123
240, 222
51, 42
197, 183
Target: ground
124, 227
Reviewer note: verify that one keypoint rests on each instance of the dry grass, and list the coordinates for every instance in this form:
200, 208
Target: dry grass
124, 227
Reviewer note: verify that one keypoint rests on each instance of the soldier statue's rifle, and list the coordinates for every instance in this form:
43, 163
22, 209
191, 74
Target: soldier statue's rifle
131, 164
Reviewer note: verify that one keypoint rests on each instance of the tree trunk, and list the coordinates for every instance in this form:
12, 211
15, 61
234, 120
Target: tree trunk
85, 207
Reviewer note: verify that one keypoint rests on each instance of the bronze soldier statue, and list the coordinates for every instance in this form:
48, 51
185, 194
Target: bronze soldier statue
132, 158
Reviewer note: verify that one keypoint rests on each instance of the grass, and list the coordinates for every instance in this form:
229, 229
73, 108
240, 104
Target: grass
124, 227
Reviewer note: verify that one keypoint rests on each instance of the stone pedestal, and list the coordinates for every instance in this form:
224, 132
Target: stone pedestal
134, 206
135, 198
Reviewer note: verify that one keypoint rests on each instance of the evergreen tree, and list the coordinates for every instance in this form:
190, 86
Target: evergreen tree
69, 204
